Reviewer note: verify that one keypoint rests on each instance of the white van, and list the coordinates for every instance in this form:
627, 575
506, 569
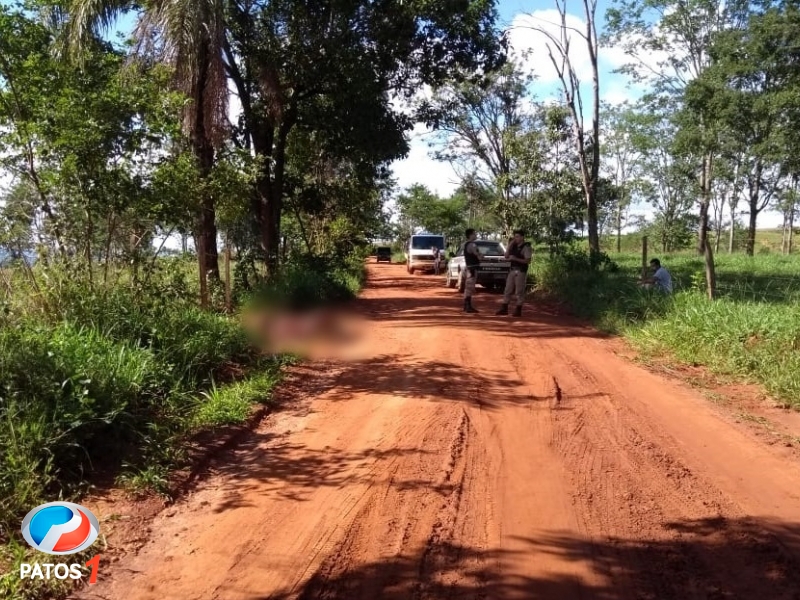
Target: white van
419, 254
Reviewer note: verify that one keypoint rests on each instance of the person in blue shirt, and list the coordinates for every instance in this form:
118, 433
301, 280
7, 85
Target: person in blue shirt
661, 279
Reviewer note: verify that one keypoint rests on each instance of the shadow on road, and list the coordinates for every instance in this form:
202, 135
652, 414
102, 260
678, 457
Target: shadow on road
400, 376
293, 471
702, 559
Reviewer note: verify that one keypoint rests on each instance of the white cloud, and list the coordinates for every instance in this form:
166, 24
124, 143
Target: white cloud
419, 167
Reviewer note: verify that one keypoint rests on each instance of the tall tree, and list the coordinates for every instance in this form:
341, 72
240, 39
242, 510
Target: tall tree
662, 177
587, 140
621, 160
678, 33
477, 123
338, 63
189, 36
749, 85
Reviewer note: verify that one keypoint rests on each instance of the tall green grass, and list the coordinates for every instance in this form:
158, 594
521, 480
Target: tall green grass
752, 331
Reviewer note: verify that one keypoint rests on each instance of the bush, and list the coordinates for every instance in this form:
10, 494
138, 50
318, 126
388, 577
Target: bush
93, 378
752, 330
314, 281
69, 395
594, 287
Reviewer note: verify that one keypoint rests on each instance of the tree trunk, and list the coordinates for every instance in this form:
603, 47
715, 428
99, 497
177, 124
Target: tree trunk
784, 235
719, 203
753, 197
207, 254
733, 225
705, 202
711, 272
751, 232
733, 203
792, 208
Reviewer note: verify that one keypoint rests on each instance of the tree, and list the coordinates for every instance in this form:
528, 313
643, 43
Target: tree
420, 209
752, 83
788, 203
587, 141
662, 177
478, 123
337, 65
86, 141
17, 217
512, 152
622, 160
679, 34
188, 36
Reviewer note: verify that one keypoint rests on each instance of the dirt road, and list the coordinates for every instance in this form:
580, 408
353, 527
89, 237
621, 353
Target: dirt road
477, 457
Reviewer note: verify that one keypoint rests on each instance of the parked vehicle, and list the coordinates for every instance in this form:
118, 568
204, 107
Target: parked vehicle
492, 272
419, 254
384, 253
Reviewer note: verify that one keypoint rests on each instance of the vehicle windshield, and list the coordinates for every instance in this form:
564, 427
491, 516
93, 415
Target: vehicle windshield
490, 248
426, 242
384, 250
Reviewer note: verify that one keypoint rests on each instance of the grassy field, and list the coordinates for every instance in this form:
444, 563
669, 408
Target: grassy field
751, 332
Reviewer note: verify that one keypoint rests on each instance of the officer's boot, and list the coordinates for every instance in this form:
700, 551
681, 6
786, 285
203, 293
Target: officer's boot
469, 307
518, 311
503, 310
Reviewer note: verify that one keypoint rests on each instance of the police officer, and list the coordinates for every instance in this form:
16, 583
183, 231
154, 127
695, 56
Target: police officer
519, 252
473, 260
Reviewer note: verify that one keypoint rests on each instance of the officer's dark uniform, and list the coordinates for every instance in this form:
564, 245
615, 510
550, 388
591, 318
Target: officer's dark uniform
472, 263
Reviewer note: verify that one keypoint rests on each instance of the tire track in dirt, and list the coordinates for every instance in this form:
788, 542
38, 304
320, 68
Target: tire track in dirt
631, 484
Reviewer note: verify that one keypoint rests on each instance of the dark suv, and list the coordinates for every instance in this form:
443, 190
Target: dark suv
383, 254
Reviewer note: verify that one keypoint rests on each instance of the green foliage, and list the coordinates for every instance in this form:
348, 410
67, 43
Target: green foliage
596, 288
91, 379
756, 341
312, 281
233, 403
420, 209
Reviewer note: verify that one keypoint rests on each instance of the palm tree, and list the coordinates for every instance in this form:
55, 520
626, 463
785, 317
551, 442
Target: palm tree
189, 36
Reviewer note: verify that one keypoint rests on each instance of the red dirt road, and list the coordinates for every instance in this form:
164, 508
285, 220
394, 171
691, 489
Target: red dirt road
479, 457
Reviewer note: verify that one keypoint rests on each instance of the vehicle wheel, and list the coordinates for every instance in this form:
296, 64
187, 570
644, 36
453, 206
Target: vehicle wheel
411, 270
451, 283
462, 282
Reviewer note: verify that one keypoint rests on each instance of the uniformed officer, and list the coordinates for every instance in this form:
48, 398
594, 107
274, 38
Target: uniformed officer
472, 258
519, 252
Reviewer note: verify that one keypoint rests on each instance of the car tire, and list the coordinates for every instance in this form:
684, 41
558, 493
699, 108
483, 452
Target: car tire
462, 282
450, 282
